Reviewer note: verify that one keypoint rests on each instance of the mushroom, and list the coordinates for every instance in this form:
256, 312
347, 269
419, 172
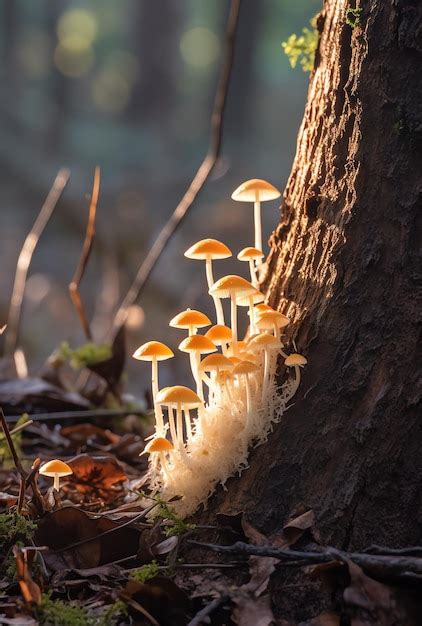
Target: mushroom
250, 301
55, 469
260, 308
154, 351
196, 345
218, 365
161, 447
208, 250
252, 255
297, 361
272, 320
183, 399
220, 335
256, 191
244, 370
267, 344
232, 287
190, 319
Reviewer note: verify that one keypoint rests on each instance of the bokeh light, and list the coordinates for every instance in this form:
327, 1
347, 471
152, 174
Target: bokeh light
77, 23
199, 47
73, 63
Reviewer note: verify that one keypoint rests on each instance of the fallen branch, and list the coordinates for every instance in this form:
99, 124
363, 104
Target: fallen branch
66, 415
208, 610
25, 257
84, 258
199, 179
380, 565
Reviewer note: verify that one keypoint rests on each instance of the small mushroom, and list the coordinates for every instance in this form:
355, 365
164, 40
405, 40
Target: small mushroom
250, 301
267, 344
154, 351
55, 469
245, 370
208, 250
220, 335
297, 361
272, 320
161, 447
232, 287
217, 365
196, 345
252, 256
190, 319
184, 399
256, 191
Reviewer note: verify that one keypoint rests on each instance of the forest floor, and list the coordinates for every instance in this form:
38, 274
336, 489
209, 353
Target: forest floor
100, 551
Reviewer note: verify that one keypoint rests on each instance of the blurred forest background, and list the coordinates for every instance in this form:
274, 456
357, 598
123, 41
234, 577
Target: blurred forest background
129, 85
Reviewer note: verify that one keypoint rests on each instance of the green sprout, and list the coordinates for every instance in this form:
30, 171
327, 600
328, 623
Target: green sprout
85, 356
302, 48
175, 525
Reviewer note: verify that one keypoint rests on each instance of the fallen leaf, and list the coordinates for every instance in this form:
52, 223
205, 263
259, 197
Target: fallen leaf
252, 612
294, 530
69, 525
18, 393
96, 475
31, 592
80, 434
166, 546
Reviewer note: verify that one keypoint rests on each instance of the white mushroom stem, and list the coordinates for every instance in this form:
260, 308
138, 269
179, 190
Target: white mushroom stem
226, 387
188, 425
164, 465
254, 277
248, 403
179, 426
192, 330
172, 425
295, 384
192, 361
197, 376
56, 483
251, 315
257, 222
159, 428
233, 318
266, 376
217, 302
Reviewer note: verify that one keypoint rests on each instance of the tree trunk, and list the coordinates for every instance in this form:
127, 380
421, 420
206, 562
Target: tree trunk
344, 267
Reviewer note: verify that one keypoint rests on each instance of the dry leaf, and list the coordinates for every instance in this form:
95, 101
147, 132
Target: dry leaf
252, 612
97, 475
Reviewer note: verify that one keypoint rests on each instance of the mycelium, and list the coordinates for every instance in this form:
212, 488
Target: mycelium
208, 435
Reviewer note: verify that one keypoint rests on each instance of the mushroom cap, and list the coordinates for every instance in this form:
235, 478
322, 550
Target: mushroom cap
228, 285
245, 367
158, 444
219, 334
256, 297
214, 362
238, 346
264, 341
246, 355
295, 359
235, 360
250, 253
208, 249
178, 394
54, 468
263, 307
189, 318
247, 191
153, 350
197, 343
267, 319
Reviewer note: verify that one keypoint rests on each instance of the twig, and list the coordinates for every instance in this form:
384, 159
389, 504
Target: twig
65, 415
25, 257
84, 258
208, 610
21, 427
199, 179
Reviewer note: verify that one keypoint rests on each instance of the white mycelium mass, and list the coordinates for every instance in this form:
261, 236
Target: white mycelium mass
204, 436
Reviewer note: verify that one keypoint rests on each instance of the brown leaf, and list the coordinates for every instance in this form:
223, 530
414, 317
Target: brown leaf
294, 530
160, 597
166, 546
80, 433
252, 612
260, 567
375, 603
29, 589
68, 525
97, 475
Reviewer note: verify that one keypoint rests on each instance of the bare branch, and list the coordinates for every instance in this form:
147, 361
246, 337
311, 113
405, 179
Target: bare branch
25, 258
84, 258
199, 179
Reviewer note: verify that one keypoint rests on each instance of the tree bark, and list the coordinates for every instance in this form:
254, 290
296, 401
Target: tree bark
344, 267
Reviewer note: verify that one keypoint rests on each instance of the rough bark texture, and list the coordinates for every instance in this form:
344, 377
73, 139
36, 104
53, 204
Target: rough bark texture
344, 266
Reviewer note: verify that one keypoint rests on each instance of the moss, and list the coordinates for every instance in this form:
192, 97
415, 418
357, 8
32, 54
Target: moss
175, 525
147, 571
54, 612
302, 48
14, 526
86, 355
353, 17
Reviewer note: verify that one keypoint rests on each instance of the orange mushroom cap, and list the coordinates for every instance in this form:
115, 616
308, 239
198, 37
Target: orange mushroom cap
153, 350
208, 249
189, 318
228, 285
250, 189
197, 343
55, 467
178, 394
159, 444
295, 359
212, 362
245, 367
267, 319
250, 254
219, 334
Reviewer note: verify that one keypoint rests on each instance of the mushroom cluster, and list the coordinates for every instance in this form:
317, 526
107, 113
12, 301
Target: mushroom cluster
203, 436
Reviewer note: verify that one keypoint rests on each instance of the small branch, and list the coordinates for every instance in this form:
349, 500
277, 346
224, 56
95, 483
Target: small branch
84, 258
199, 179
66, 415
24, 260
208, 610
11, 445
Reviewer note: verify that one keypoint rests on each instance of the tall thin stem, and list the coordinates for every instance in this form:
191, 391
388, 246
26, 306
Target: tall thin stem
257, 221
217, 302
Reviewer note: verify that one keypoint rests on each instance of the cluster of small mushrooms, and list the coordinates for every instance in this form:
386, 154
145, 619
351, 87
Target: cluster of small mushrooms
202, 436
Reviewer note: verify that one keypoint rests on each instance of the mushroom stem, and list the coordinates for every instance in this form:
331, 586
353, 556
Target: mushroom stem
179, 426
251, 315
157, 408
192, 361
188, 424
56, 483
164, 465
254, 277
217, 302
233, 313
199, 388
295, 385
248, 403
172, 425
266, 375
257, 222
